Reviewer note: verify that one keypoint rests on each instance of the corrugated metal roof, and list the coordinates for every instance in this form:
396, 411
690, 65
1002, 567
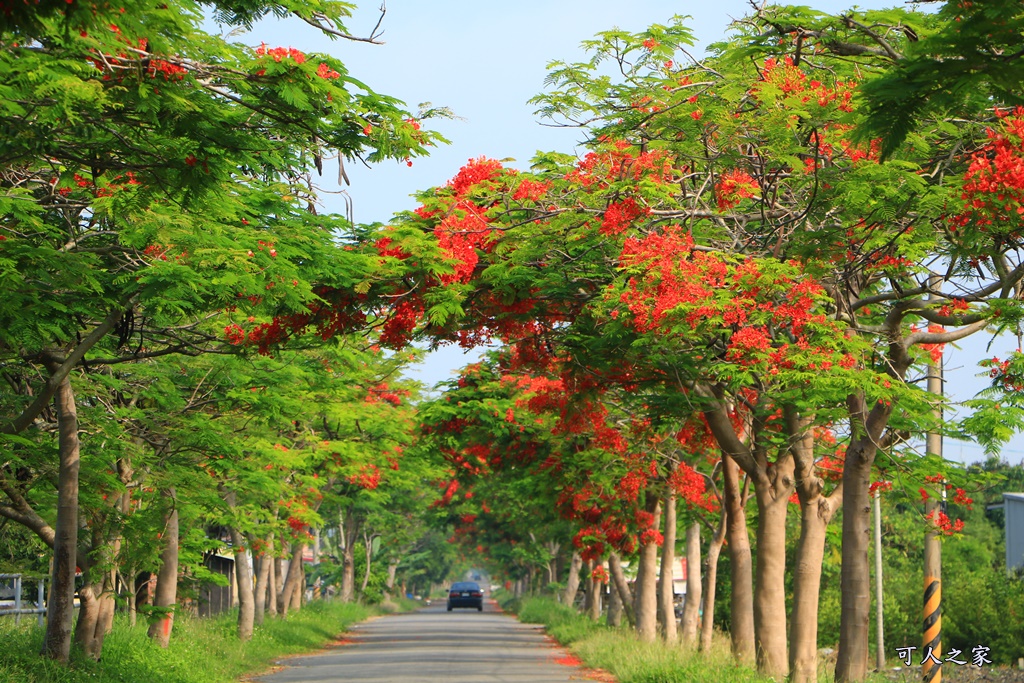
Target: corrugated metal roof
1014, 496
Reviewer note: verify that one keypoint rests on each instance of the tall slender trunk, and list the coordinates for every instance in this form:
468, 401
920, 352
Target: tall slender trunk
133, 600
263, 580
614, 606
368, 543
298, 592
803, 635
855, 574
389, 583
595, 592
572, 583
349, 529
621, 586
691, 610
770, 576
274, 582
60, 609
741, 601
167, 579
707, 623
588, 596
243, 579
647, 586
816, 512
666, 584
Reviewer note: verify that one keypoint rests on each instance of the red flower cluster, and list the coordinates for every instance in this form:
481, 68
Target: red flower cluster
279, 53
326, 72
993, 192
619, 216
734, 186
368, 477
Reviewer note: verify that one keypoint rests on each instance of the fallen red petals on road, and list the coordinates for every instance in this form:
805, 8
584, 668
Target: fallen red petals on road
568, 660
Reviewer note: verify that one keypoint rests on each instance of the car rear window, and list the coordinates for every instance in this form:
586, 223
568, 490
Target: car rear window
465, 586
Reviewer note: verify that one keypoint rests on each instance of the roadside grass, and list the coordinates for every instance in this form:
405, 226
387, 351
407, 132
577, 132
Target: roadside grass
201, 650
617, 650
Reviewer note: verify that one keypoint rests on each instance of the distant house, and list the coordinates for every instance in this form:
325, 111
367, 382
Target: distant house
1013, 507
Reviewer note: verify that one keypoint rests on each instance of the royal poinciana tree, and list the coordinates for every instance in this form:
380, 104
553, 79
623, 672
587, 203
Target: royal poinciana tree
154, 177
753, 160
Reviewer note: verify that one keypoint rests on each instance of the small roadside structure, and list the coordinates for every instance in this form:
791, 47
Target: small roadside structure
1013, 507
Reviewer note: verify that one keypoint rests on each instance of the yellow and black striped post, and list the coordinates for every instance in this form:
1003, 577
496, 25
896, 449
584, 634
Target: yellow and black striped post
930, 671
931, 666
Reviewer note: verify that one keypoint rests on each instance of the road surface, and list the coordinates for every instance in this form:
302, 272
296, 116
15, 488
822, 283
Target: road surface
435, 646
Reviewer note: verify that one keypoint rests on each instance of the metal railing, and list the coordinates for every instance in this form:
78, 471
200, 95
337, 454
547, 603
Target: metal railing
18, 609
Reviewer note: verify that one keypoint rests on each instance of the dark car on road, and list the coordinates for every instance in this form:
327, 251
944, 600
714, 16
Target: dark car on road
466, 594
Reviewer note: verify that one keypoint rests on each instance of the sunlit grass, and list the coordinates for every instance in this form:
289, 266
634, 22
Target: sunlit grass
201, 650
617, 650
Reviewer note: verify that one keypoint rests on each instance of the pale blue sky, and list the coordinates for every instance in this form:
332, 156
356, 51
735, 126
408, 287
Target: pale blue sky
485, 60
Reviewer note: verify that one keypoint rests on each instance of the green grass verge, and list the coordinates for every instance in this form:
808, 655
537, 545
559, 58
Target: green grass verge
617, 650
201, 650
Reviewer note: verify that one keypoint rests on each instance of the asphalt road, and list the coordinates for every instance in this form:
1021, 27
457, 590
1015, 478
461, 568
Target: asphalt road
435, 646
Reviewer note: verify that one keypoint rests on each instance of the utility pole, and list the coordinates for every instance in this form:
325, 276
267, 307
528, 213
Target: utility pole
879, 621
932, 641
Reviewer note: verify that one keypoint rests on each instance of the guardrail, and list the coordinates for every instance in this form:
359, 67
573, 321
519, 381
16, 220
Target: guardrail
18, 607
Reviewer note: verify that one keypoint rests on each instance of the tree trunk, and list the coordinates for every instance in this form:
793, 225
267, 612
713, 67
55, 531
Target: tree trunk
133, 598
60, 609
691, 610
389, 584
666, 585
296, 576
595, 591
803, 636
588, 596
647, 587
816, 512
96, 602
855, 574
368, 542
349, 529
614, 605
299, 592
263, 582
167, 579
274, 582
621, 586
707, 624
572, 584
243, 579
770, 577
741, 601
